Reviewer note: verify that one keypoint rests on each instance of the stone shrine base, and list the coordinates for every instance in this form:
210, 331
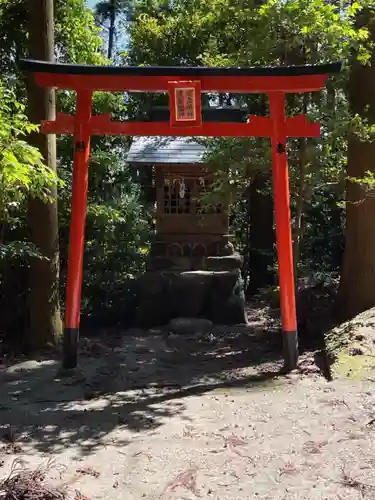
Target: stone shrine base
215, 295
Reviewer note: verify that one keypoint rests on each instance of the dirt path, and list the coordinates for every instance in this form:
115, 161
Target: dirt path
156, 417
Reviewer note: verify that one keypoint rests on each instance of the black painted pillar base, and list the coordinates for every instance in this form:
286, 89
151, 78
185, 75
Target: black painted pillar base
290, 350
70, 348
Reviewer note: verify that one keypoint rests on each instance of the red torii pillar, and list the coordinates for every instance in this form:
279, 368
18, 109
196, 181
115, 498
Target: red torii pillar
184, 86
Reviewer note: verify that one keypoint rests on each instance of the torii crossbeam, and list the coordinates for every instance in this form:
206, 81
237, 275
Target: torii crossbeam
184, 86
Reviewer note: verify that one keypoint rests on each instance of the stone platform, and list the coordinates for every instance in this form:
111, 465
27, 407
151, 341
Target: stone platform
215, 293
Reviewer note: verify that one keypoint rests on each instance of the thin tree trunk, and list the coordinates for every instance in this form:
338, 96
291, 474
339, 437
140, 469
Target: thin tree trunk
357, 285
112, 26
246, 252
300, 196
45, 319
300, 202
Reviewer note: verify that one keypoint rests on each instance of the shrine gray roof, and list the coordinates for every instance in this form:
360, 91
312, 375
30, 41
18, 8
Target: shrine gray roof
153, 150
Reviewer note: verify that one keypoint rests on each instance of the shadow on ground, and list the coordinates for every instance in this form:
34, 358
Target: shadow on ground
134, 382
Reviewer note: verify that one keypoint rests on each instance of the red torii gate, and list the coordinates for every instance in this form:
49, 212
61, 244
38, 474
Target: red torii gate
184, 86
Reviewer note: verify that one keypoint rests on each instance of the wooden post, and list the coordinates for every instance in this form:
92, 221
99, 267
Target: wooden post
283, 231
77, 228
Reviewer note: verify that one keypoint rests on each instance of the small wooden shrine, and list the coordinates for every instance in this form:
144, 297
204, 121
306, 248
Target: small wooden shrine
193, 269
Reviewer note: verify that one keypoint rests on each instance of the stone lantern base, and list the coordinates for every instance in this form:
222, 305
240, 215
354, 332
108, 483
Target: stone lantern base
214, 291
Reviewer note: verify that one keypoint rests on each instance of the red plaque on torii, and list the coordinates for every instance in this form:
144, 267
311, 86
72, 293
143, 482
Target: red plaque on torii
184, 86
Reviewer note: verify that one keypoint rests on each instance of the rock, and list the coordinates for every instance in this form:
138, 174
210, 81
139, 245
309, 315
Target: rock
227, 302
217, 296
225, 282
224, 263
188, 291
227, 249
188, 326
229, 311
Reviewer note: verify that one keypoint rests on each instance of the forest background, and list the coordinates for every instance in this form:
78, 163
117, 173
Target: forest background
332, 180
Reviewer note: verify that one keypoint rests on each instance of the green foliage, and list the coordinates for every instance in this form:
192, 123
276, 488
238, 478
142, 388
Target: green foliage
185, 32
22, 171
12, 34
23, 175
323, 242
246, 33
77, 37
116, 248
117, 233
170, 36
118, 230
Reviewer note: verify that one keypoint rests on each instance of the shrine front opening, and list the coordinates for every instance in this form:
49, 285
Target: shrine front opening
184, 86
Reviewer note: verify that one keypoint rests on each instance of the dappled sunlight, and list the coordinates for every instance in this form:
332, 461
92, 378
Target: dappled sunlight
138, 386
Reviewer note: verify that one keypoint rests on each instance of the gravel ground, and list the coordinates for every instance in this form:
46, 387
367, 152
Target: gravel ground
156, 416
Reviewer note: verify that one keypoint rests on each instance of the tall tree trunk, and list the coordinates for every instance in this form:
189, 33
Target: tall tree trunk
261, 233
300, 205
45, 319
112, 26
357, 285
300, 196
